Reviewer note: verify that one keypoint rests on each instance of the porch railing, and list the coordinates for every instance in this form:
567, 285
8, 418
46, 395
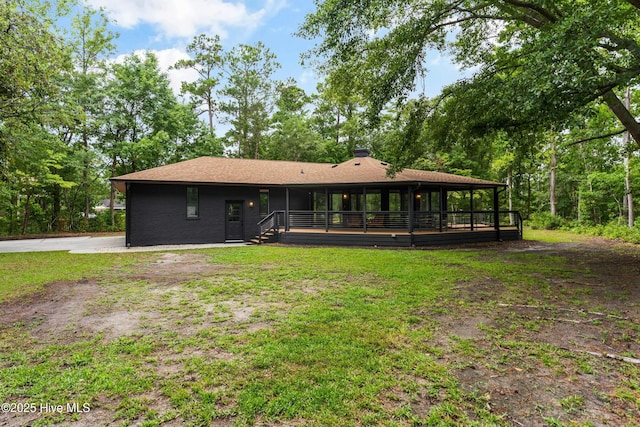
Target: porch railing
272, 222
390, 221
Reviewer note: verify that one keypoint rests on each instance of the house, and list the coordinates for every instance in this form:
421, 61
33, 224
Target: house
105, 205
212, 199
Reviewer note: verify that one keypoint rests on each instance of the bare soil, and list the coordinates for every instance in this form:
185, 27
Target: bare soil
595, 312
593, 316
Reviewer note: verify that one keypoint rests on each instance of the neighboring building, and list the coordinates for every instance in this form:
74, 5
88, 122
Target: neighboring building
105, 205
212, 199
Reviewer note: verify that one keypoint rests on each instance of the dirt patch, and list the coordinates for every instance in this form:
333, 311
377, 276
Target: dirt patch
536, 363
54, 314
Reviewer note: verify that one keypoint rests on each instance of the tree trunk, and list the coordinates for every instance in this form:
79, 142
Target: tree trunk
623, 114
85, 181
529, 195
112, 194
55, 211
510, 196
552, 178
13, 217
27, 213
634, 3
628, 192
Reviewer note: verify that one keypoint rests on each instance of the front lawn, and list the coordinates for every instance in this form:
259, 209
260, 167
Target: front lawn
487, 335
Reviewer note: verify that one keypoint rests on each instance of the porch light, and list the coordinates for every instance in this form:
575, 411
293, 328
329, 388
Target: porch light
250, 203
345, 196
418, 196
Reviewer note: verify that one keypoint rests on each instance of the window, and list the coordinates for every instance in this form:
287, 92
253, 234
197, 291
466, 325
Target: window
398, 200
192, 202
264, 202
319, 201
374, 201
234, 210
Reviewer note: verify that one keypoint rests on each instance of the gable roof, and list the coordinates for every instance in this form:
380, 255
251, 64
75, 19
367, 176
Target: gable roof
231, 171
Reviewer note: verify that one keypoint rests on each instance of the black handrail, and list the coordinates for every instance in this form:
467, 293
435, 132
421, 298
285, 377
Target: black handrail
389, 220
269, 223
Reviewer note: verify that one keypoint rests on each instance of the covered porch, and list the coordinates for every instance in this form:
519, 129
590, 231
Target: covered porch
415, 215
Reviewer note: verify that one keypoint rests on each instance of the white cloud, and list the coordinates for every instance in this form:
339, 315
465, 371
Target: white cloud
187, 18
436, 60
306, 79
166, 59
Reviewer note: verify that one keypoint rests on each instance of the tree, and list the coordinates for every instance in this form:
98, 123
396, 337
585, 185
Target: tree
338, 119
33, 64
207, 62
293, 137
248, 96
539, 61
90, 43
627, 149
33, 58
139, 130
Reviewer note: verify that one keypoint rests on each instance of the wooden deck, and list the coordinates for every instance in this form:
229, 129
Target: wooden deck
400, 229
391, 238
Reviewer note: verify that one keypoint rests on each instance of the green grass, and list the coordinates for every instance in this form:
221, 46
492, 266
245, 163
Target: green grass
553, 236
330, 337
25, 273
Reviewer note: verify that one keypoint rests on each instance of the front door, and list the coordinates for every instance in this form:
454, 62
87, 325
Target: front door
233, 220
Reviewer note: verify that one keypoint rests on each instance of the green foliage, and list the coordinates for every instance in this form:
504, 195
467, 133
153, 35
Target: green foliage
208, 62
612, 230
102, 222
137, 131
70, 120
537, 63
248, 96
545, 221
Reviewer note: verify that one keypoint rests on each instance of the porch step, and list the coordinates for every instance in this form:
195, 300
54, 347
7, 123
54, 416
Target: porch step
268, 237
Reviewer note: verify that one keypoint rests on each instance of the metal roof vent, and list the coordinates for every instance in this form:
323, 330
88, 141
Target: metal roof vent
362, 152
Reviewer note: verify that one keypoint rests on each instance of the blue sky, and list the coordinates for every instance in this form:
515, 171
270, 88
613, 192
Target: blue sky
167, 26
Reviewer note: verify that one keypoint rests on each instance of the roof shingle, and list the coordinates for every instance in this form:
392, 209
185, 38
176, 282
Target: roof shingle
230, 171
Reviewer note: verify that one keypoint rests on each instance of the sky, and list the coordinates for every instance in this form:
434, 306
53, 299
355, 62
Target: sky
166, 27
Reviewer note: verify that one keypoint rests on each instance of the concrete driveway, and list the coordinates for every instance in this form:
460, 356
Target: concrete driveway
89, 244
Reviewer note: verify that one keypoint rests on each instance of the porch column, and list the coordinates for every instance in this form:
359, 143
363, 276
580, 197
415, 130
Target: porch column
286, 210
128, 212
471, 208
364, 209
326, 209
443, 207
411, 207
496, 213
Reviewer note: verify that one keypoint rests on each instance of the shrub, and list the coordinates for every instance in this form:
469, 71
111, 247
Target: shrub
545, 221
612, 230
102, 222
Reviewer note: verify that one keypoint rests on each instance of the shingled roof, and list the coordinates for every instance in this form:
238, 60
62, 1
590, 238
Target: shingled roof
245, 172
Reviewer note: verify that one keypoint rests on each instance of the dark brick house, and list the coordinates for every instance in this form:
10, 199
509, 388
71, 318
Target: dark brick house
212, 199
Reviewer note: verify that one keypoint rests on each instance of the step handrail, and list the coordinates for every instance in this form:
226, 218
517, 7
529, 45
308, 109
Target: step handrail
269, 223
